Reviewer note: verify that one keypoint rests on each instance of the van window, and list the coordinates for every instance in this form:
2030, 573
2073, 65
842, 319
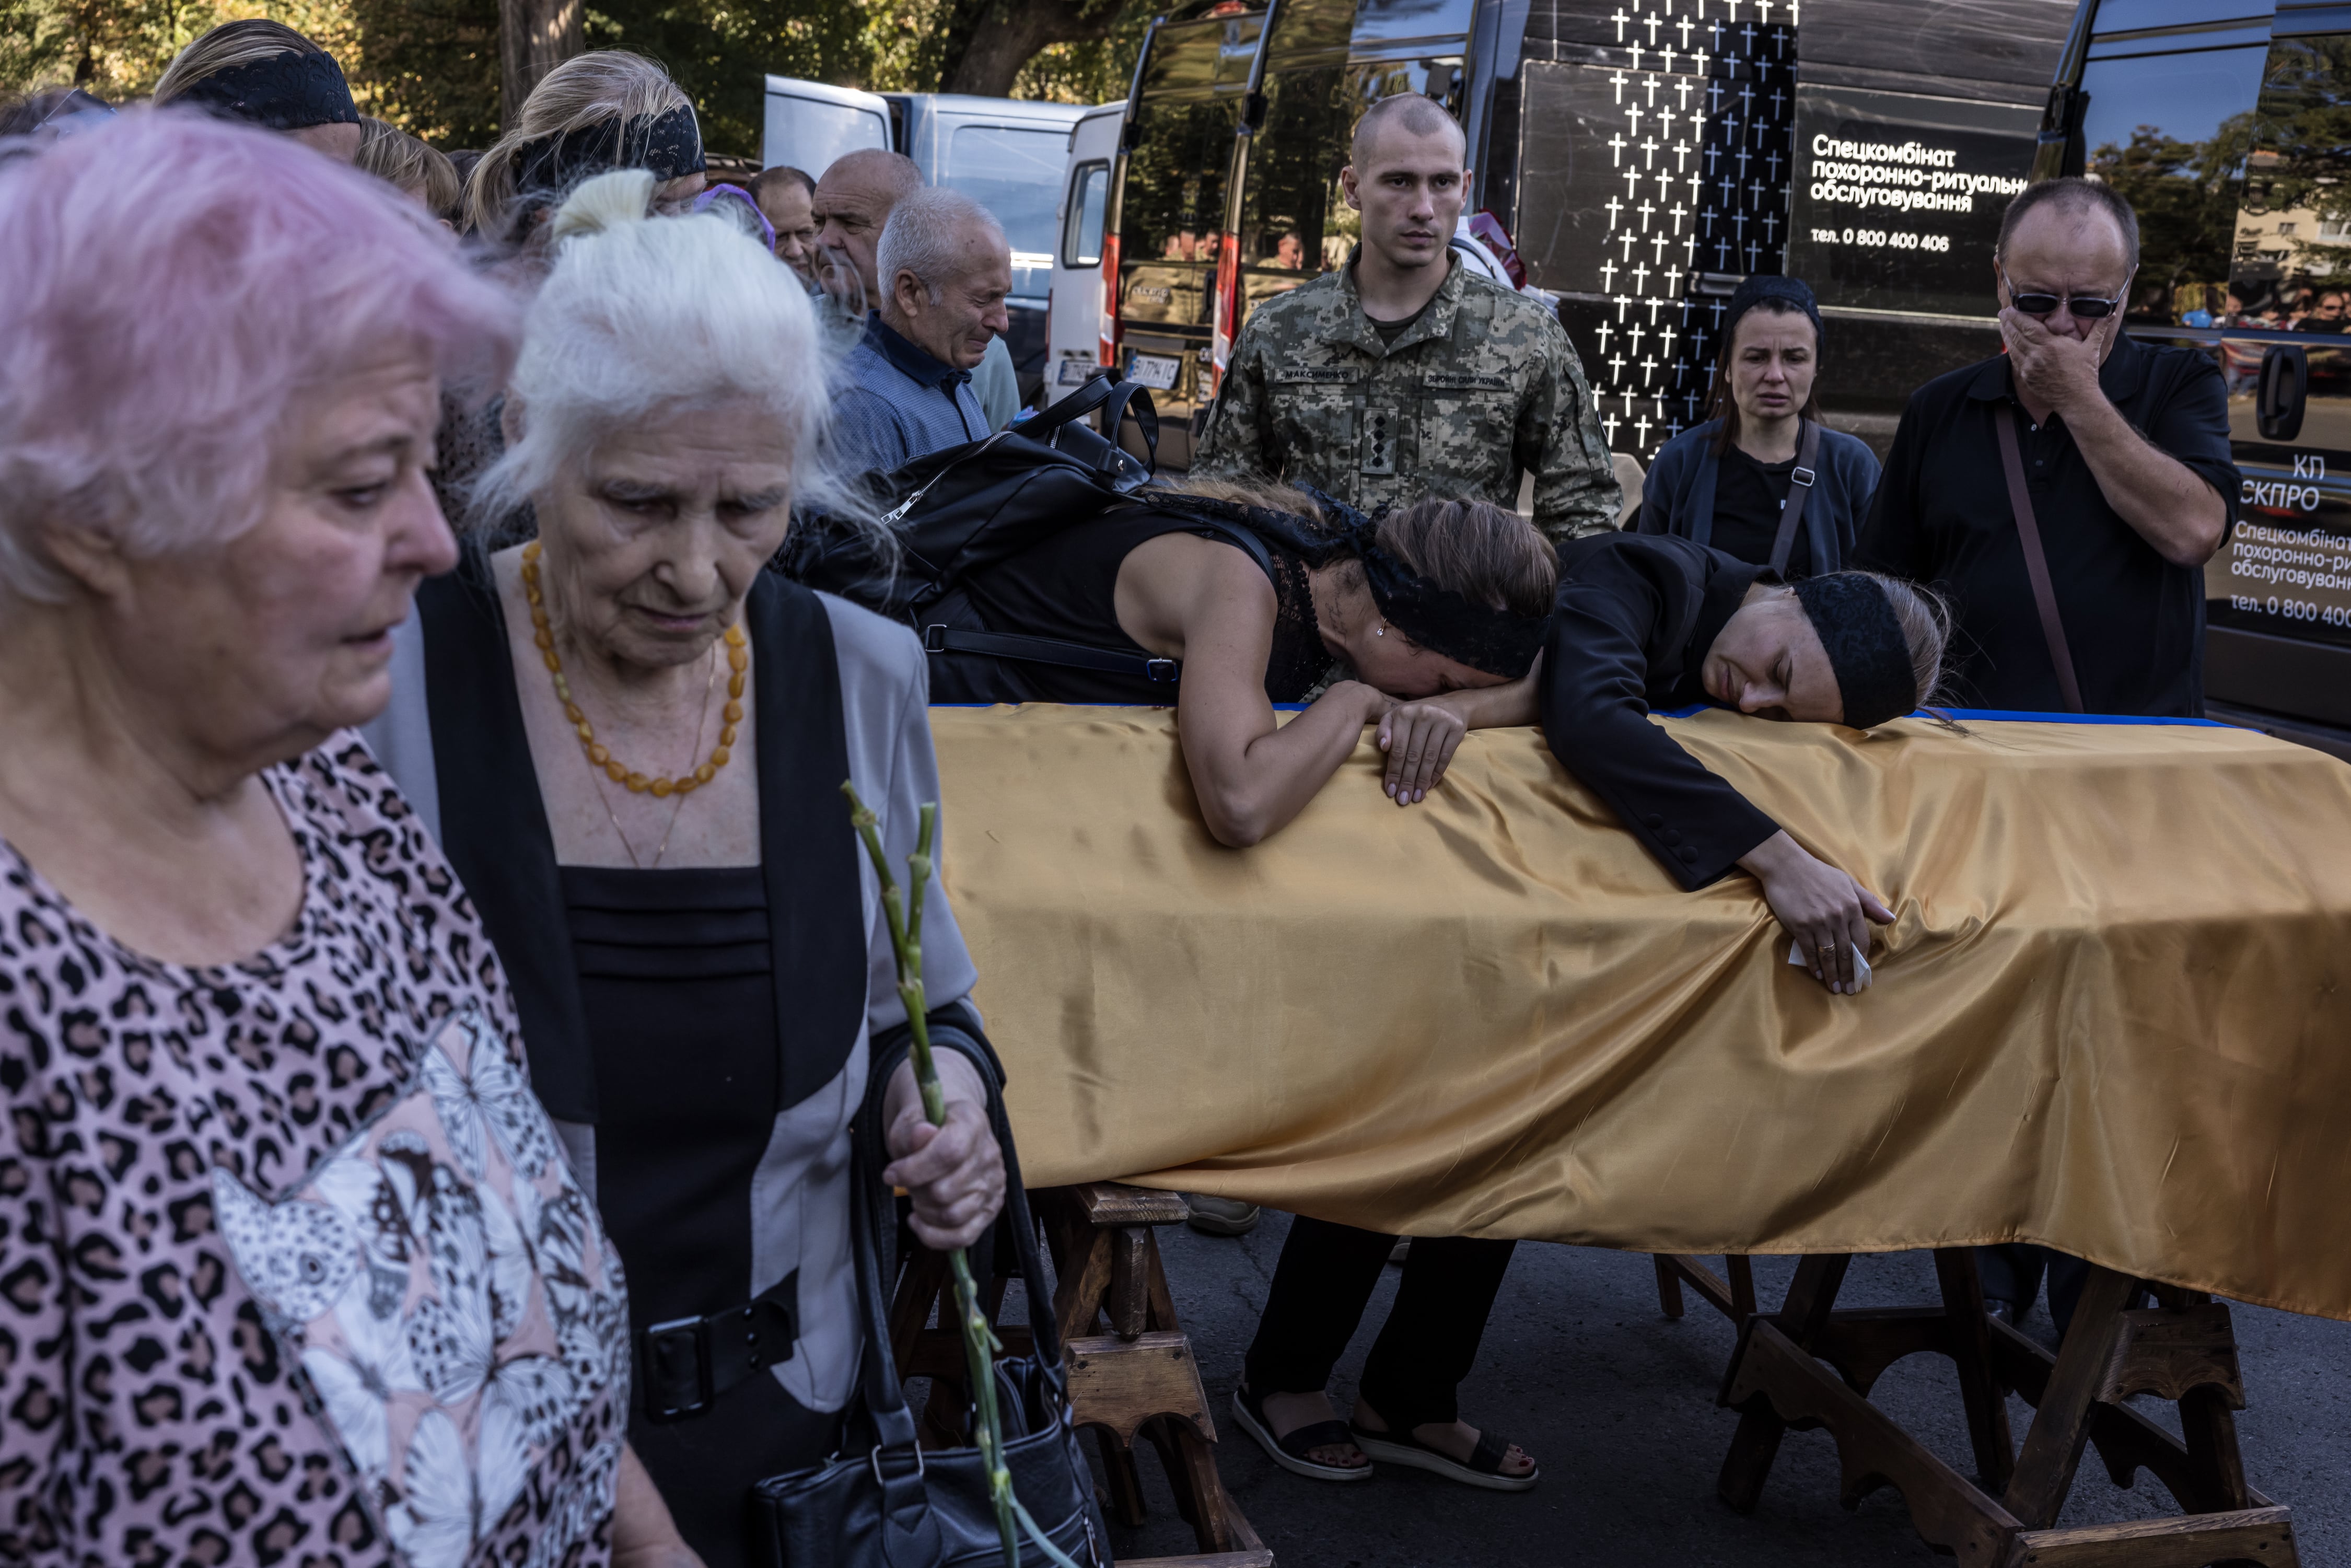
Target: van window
1082, 229
1173, 206
2293, 257
1292, 218
1212, 51
2132, 15
1016, 174
2168, 132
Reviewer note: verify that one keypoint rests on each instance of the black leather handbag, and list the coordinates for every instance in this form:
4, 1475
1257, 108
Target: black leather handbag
894, 1505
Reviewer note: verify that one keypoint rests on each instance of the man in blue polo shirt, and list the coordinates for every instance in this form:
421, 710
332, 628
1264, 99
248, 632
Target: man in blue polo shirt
944, 270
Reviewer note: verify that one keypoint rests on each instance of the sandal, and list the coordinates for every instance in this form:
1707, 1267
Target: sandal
1484, 1468
1289, 1450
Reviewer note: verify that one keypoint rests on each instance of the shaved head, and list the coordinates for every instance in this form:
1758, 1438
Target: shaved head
889, 175
1406, 114
852, 202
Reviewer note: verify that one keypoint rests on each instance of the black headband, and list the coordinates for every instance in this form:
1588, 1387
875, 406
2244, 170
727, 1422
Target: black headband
1865, 646
286, 91
668, 146
1497, 642
1757, 288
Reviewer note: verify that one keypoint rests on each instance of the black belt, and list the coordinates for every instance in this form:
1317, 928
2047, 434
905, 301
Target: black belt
689, 1361
939, 639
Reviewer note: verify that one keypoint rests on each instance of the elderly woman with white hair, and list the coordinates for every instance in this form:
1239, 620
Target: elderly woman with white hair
632, 739
291, 1263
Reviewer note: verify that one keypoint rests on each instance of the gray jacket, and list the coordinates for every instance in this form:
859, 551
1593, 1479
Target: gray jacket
1677, 496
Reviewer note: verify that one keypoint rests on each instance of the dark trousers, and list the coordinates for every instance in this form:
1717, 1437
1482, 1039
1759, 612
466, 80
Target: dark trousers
1320, 1287
2013, 1270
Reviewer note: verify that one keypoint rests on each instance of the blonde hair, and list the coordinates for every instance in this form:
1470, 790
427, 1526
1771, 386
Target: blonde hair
1483, 552
602, 86
408, 165
1926, 621
227, 47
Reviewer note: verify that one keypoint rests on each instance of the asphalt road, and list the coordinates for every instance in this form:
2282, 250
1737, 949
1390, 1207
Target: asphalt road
1617, 1404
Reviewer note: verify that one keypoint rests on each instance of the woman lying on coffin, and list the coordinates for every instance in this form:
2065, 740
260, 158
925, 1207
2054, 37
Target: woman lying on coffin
1254, 597
1646, 623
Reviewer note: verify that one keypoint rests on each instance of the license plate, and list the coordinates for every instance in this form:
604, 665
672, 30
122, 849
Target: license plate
1153, 370
1074, 372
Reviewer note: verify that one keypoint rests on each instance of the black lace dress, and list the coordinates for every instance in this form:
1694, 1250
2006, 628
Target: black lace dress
1065, 588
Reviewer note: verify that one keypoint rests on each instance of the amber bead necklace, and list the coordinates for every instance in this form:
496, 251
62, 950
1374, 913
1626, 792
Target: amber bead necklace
738, 660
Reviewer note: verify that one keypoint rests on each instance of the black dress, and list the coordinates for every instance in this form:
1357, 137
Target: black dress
676, 976
1066, 588
1748, 497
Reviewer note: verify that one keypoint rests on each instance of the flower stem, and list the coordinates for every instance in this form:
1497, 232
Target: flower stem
979, 1342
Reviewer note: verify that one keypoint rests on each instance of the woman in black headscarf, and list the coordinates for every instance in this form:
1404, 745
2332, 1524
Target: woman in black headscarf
1224, 600
1762, 479
267, 74
1646, 623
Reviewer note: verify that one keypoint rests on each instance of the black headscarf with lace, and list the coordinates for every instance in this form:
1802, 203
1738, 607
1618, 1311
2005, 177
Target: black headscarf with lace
1497, 642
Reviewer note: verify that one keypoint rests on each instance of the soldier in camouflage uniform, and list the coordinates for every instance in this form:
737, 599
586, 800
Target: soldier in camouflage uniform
1482, 387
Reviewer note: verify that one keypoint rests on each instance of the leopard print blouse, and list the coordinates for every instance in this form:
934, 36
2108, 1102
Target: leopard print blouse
291, 1268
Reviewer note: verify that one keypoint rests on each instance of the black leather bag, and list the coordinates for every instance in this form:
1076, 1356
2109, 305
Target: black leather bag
894, 1505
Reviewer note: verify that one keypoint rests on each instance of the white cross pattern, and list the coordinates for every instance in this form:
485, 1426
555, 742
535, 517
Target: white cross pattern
1726, 128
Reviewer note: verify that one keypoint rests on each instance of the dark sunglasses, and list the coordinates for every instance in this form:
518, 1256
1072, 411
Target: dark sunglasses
2084, 307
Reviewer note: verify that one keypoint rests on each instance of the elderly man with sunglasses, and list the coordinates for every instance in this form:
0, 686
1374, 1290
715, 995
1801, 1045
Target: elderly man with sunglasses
2091, 596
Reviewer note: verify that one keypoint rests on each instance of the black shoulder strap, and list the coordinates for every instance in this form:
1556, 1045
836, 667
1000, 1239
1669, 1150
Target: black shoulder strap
2036, 560
1800, 492
939, 639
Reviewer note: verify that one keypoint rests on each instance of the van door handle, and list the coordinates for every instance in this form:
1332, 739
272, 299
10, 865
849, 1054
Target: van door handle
2283, 393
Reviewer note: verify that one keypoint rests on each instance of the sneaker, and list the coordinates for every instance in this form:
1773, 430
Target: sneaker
1221, 1216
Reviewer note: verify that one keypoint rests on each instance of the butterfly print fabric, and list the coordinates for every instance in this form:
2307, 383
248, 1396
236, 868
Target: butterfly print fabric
291, 1270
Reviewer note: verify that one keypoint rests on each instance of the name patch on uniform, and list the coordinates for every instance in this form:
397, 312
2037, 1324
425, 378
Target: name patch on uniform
1313, 375
1456, 381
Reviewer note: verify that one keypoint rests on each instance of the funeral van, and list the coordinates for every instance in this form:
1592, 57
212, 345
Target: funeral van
2221, 120
1642, 156
1008, 154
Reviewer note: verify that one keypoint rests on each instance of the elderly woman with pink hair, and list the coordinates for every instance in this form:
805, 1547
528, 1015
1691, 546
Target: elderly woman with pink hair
291, 1264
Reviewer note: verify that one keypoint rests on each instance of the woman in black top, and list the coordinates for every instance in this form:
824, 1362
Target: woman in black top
1646, 624
1728, 482
631, 740
1437, 597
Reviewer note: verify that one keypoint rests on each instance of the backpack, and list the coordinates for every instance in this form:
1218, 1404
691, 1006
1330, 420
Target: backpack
965, 508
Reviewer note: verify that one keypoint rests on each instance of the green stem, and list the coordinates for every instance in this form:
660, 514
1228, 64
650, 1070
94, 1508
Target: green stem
979, 1340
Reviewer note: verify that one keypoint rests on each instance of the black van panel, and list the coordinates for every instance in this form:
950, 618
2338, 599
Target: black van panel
2003, 50
1898, 197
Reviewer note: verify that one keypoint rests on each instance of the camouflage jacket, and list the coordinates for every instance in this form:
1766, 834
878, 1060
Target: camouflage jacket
1483, 388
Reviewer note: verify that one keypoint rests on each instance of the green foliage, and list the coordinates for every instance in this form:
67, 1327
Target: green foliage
2303, 141
719, 52
431, 66
2185, 194
1092, 72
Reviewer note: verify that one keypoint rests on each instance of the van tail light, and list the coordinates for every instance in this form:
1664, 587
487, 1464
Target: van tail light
1227, 317
1108, 341
1491, 233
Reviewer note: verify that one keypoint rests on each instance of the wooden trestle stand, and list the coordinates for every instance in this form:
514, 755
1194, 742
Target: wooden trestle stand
1139, 1379
1810, 1366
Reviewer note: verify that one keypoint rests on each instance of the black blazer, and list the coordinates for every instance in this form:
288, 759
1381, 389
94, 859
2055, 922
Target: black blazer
1635, 615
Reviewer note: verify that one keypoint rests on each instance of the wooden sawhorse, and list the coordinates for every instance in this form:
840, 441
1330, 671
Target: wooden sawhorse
1138, 1379
1810, 1366
1734, 1297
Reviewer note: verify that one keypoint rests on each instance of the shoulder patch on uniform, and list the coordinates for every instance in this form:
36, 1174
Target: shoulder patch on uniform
1312, 375
1464, 381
